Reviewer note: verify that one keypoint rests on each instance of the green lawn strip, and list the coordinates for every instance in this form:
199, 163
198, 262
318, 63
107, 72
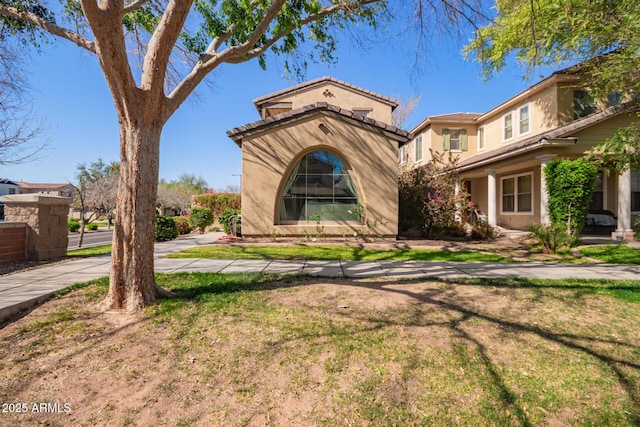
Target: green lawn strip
613, 254
342, 253
93, 251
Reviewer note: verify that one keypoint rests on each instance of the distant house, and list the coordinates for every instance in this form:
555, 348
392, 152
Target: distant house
321, 160
63, 190
6, 187
503, 151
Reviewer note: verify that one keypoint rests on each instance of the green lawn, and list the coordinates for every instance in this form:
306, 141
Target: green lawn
93, 251
613, 254
253, 349
342, 253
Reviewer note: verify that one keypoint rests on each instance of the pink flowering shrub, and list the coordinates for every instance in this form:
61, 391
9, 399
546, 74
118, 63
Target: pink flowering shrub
428, 199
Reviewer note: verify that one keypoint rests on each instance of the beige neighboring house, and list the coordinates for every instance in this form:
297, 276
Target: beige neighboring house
63, 190
323, 155
503, 151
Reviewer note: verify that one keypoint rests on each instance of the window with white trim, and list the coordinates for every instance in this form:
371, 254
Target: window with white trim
523, 117
454, 139
508, 127
517, 194
481, 138
418, 148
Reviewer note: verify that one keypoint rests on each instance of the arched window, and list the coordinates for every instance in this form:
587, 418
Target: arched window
319, 188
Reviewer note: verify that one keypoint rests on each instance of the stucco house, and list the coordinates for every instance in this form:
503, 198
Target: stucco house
323, 154
502, 152
51, 189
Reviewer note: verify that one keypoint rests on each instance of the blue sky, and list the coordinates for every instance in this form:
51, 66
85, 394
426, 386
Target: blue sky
70, 95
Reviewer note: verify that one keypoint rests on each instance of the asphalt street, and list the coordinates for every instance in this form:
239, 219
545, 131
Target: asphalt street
90, 239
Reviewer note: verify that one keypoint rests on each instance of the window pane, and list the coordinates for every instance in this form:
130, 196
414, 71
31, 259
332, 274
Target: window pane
455, 140
481, 138
319, 189
524, 184
508, 186
635, 201
507, 203
524, 202
524, 119
419, 148
508, 126
635, 181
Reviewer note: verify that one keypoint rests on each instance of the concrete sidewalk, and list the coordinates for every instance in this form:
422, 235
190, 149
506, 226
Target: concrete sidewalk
23, 290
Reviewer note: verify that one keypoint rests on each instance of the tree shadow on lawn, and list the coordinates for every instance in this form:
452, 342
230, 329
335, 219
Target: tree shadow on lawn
466, 311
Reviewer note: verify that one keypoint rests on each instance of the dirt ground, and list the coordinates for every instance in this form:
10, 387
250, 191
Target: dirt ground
327, 352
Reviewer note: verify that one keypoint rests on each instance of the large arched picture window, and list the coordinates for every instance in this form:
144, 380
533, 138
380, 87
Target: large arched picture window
319, 188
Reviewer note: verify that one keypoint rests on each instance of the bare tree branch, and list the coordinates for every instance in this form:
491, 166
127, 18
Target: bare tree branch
134, 5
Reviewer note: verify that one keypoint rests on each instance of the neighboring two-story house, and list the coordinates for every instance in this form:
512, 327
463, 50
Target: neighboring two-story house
503, 151
321, 159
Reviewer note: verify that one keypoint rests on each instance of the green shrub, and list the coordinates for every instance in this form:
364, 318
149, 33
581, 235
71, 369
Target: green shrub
73, 226
636, 228
483, 230
165, 228
92, 226
570, 190
550, 237
183, 224
219, 203
200, 218
228, 218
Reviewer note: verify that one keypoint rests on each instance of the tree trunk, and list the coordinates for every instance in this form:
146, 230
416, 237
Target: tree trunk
132, 285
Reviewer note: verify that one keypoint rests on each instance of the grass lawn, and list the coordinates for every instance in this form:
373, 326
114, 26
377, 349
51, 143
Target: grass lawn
282, 350
613, 254
342, 253
93, 251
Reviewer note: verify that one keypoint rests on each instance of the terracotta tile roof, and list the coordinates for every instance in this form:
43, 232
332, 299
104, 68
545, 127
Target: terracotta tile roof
543, 139
297, 88
237, 134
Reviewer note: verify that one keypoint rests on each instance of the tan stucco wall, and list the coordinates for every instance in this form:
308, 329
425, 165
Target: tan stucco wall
339, 96
267, 158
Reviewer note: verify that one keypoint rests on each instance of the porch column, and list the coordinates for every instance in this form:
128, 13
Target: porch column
491, 197
544, 197
624, 207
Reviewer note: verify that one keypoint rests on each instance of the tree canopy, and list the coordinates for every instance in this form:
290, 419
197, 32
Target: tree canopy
552, 32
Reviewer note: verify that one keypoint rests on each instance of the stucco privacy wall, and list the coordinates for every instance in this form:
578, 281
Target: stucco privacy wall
46, 219
369, 154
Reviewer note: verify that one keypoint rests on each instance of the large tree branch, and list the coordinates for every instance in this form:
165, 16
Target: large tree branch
236, 54
105, 20
159, 49
48, 26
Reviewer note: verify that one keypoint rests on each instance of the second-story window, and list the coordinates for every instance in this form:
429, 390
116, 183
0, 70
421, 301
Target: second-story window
523, 120
481, 138
454, 139
508, 126
583, 104
418, 148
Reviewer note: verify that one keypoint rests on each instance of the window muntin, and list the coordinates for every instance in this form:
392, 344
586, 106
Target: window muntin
517, 194
508, 127
523, 120
635, 191
481, 138
319, 188
418, 148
